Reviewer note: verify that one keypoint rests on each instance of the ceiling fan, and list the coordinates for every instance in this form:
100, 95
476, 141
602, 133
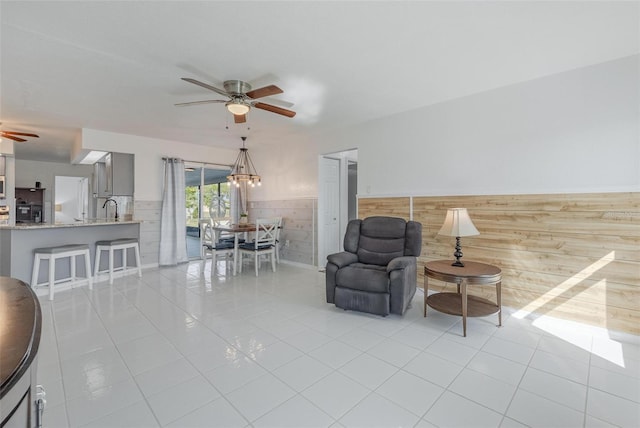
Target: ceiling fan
15, 136
241, 98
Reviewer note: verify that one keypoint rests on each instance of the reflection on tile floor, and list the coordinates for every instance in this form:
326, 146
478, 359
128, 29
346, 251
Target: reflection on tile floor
178, 349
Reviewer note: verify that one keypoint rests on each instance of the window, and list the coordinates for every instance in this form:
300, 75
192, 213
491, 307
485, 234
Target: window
207, 195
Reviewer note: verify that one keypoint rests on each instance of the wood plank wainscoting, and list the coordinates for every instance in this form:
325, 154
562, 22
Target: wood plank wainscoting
571, 256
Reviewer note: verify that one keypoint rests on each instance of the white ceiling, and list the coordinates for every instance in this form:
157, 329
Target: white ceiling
117, 65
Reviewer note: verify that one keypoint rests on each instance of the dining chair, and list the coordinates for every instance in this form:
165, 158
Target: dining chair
263, 244
225, 236
211, 246
202, 225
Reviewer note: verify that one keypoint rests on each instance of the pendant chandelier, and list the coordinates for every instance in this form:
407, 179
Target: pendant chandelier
243, 170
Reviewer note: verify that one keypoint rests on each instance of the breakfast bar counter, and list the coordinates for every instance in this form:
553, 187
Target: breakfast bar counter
18, 242
86, 223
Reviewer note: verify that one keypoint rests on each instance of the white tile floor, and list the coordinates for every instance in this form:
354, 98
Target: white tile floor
176, 349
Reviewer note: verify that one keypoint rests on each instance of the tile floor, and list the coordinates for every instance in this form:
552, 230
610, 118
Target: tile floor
177, 349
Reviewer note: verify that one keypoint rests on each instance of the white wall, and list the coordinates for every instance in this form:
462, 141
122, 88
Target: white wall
28, 172
148, 157
571, 132
289, 169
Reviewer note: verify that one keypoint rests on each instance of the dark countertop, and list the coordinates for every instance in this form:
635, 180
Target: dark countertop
20, 328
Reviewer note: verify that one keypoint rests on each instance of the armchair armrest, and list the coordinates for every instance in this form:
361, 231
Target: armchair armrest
401, 263
342, 259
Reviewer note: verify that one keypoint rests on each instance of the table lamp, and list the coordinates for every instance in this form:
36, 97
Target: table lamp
457, 223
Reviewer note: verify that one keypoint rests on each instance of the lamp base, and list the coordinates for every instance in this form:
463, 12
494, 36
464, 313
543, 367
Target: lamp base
458, 254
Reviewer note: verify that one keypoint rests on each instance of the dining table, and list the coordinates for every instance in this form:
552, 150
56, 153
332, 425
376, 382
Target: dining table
236, 229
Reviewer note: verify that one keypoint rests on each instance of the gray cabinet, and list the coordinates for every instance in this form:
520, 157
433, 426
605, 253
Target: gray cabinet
100, 180
114, 175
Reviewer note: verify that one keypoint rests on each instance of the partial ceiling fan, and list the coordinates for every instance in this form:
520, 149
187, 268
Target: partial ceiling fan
15, 136
241, 98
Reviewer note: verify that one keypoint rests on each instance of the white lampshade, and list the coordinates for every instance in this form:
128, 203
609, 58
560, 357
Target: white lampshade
237, 108
458, 223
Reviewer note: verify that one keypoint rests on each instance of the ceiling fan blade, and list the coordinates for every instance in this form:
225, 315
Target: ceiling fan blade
20, 140
264, 92
278, 102
206, 86
20, 133
274, 109
239, 118
193, 103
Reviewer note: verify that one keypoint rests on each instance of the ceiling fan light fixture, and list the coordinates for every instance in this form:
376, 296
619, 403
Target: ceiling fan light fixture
241, 98
237, 107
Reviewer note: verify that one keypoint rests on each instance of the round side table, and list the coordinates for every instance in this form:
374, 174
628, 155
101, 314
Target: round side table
459, 303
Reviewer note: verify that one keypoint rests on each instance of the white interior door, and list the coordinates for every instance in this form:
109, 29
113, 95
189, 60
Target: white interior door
329, 236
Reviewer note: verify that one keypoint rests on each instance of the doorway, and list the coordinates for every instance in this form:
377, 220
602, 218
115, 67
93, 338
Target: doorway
71, 203
207, 195
337, 200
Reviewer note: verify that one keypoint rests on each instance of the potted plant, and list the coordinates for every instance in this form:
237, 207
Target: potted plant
244, 218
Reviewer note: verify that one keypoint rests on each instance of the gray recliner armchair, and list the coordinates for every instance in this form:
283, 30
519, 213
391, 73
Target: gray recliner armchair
377, 272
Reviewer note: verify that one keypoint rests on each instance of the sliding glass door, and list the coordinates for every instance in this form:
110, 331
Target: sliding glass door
207, 196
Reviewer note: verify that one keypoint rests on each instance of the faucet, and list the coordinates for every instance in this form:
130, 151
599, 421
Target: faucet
114, 201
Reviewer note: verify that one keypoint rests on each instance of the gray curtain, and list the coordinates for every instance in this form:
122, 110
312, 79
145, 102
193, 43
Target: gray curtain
173, 222
238, 202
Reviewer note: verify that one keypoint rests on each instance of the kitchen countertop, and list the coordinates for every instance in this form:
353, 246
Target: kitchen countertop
94, 222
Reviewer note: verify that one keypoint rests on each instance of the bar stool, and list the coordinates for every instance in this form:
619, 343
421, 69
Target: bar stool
54, 253
113, 245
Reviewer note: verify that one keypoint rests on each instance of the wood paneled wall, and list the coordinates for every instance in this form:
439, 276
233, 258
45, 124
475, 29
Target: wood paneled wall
392, 207
571, 256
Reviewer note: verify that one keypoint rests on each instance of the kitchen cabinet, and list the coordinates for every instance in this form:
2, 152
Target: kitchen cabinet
100, 180
114, 175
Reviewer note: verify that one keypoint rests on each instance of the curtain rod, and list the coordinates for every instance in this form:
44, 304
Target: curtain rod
200, 162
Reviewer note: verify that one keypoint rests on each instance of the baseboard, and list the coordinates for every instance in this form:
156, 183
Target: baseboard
297, 264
